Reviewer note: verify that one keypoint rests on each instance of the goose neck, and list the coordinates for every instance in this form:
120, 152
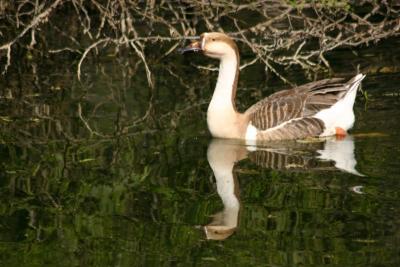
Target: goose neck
222, 117
225, 89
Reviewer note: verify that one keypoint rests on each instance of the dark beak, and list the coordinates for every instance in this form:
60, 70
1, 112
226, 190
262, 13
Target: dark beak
194, 47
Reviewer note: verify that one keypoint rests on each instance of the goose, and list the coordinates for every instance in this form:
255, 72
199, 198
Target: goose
317, 109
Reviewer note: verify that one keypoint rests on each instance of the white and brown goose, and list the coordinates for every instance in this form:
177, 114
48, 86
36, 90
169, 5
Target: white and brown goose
316, 109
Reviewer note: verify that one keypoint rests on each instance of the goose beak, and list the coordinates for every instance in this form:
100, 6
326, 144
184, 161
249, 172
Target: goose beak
194, 47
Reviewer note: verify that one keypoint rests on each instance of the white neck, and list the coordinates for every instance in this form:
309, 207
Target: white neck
221, 114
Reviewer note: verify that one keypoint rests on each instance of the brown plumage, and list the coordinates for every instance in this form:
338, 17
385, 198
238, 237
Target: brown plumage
295, 129
303, 101
305, 111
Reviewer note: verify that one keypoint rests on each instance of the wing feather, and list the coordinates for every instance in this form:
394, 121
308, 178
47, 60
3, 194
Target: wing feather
302, 101
273, 113
294, 129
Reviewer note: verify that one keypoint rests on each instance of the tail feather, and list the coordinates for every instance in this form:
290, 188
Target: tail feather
341, 114
358, 78
327, 96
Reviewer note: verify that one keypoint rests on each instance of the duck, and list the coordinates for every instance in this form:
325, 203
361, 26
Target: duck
316, 109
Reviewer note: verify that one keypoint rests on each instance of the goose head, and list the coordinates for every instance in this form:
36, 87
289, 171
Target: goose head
213, 44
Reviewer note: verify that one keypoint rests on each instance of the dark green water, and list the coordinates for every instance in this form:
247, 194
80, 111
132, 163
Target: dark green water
137, 189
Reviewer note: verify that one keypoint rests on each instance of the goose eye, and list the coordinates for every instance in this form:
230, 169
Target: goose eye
213, 39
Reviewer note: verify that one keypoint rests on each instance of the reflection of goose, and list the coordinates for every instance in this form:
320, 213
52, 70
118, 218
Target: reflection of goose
222, 155
328, 154
341, 152
320, 108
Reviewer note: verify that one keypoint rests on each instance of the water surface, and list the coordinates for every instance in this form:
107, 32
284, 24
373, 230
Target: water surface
109, 172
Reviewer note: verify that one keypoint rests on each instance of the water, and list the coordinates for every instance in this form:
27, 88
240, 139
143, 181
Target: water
107, 172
